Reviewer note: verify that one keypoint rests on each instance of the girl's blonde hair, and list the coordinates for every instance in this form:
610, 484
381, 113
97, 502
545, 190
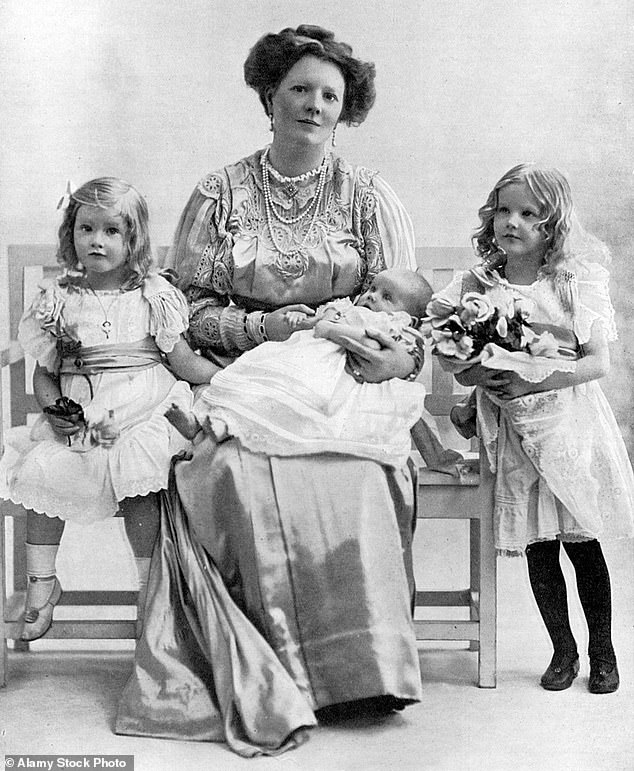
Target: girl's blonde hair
111, 193
551, 189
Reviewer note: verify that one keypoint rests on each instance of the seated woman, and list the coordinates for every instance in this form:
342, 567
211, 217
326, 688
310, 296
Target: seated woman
279, 584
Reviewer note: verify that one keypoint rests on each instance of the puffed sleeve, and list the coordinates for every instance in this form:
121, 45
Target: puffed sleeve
592, 301
202, 256
452, 293
42, 325
395, 227
168, 312
385, 229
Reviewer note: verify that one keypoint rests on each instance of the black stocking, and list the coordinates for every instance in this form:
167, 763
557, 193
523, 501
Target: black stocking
549, 588
593, 585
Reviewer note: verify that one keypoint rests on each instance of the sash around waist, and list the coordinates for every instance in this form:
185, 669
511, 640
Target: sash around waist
122, 357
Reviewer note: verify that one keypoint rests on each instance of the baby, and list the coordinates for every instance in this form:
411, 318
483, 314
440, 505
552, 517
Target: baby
298, 397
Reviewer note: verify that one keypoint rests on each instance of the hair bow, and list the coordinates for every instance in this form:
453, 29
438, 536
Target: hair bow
64, 201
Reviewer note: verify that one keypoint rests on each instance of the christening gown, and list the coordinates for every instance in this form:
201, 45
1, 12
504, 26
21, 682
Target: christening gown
279, 584
296, 397
83, 480
563, 468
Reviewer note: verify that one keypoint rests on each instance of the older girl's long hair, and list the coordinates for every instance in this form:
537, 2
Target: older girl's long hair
111, 193
552, 191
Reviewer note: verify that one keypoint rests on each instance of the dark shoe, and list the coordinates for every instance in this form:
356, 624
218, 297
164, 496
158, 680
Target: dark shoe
604, 676
560, 673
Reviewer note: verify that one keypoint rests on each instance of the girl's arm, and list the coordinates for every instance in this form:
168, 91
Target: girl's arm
594, 364
189, 365
46, 389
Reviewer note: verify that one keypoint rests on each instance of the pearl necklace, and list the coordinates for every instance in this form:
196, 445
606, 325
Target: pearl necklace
290, 183
106, 324
271, 212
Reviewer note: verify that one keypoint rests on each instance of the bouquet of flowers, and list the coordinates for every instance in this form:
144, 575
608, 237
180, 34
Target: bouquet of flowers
485, 328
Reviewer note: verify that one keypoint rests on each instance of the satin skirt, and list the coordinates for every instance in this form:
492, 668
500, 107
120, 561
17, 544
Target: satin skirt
278, 586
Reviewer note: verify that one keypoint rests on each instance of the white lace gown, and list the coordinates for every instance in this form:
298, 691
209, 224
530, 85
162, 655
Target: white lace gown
570, 476
84, 482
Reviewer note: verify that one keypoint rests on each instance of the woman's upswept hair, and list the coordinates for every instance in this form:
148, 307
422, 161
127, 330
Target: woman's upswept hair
106, 193
275, 54
551, 189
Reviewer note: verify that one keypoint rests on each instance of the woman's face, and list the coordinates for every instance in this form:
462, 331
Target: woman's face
308, 102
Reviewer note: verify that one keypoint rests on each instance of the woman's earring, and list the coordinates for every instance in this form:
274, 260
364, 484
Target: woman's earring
334, 137
272, 126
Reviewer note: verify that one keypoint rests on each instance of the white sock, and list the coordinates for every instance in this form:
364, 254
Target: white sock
40, 563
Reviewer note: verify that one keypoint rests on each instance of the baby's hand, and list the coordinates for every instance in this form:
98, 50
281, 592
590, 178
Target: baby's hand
185, 422
298, 320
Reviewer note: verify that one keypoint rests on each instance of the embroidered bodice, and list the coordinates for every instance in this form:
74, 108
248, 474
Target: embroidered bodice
224, 253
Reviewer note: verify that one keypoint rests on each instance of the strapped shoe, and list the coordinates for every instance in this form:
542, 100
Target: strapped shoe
604, 676
560, 673
37, 621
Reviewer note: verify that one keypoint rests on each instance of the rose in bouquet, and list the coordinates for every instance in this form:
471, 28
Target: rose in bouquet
482, 325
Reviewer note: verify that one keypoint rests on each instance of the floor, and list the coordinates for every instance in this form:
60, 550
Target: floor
63, 702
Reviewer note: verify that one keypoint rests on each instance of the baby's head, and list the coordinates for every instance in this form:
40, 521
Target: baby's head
397, 289
551, 190
122, 199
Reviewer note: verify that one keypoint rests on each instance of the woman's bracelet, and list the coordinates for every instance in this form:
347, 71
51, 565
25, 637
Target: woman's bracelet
255, 327
419, 358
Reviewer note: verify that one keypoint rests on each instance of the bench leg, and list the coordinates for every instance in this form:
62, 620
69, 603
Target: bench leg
3, 595
487, 663
474, 575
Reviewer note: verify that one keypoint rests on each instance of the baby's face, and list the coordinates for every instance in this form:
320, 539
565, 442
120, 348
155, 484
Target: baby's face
386, 293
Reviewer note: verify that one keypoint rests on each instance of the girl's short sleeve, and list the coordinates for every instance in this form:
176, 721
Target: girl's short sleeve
168, 312
593, 301
453, 291
42, 324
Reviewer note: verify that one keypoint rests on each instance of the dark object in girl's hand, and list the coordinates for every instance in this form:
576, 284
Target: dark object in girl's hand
67, 409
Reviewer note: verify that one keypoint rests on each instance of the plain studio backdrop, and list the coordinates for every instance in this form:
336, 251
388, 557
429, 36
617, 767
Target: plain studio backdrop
153, 92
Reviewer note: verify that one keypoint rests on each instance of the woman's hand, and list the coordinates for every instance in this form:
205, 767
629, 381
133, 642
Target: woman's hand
368, 365
277, 325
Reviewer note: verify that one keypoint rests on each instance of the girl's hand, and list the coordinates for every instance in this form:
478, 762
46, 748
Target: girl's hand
277, 324
63, 426
502, 383
492, 379
367, 365
514, 386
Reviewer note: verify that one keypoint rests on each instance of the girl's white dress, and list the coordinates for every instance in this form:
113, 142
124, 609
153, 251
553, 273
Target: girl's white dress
564, 469
83, 482
296, 398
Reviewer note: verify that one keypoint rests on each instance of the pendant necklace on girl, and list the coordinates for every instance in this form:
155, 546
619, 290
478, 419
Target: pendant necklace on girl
106, 324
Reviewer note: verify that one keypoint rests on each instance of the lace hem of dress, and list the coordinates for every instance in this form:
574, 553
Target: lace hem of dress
563, 537
66, 509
